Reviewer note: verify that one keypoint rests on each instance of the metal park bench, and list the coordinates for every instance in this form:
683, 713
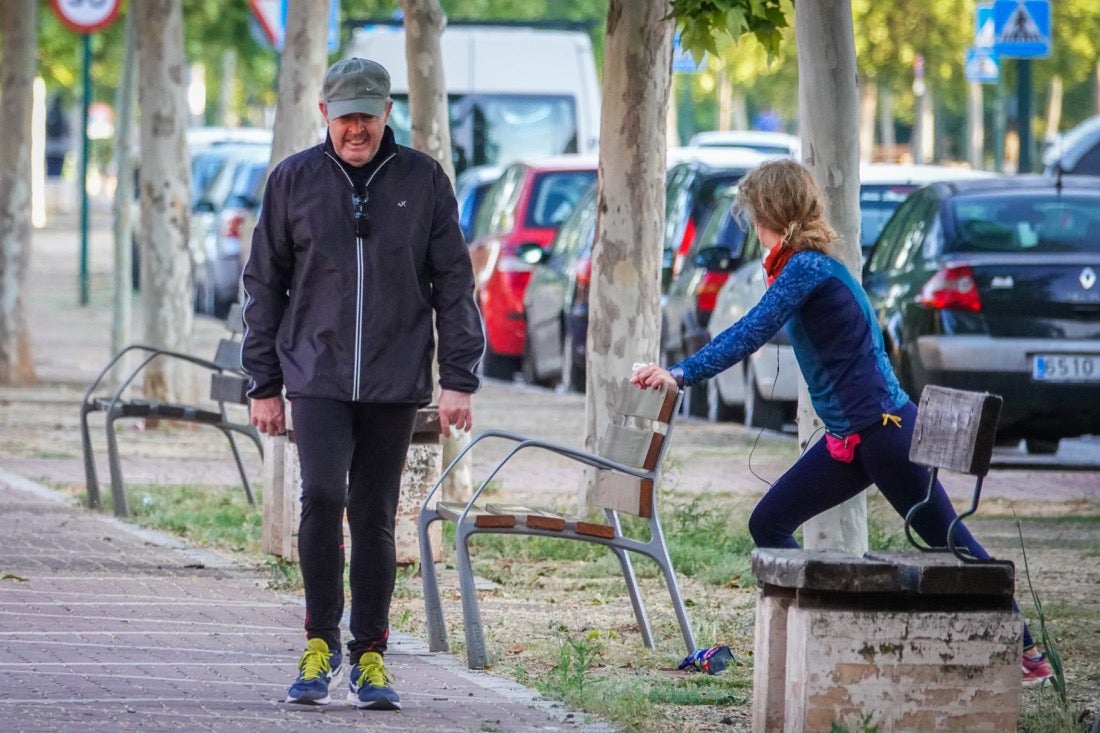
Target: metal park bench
627, 466
228, 385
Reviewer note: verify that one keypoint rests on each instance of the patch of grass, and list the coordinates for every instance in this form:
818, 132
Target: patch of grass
219, 518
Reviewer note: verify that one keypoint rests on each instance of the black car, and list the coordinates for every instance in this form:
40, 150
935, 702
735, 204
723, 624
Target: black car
556, 301
698, 198
994, 285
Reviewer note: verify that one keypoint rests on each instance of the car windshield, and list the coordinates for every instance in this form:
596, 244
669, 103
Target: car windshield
554, 195
1026, 222
877, 204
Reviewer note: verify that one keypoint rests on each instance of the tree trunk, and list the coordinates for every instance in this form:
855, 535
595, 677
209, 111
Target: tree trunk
1054, 109
18, 24
886, 122
625, 307
165, 200
975, 125
431, 133
828, 103
301, 71
431, 122
868, 101
121, 310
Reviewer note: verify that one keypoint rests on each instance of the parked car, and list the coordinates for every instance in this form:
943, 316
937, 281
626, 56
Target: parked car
556, 302
231, 196
525, 206
762, 141
690, 194
763, 390
1077, 151
883, 186
207, 150
470, 188
992, 285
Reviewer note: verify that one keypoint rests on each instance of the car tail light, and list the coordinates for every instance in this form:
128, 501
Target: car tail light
685, 245
952, 288
231, 223
707, 295
582, 280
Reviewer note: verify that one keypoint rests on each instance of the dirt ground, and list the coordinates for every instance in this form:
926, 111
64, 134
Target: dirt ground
531, 608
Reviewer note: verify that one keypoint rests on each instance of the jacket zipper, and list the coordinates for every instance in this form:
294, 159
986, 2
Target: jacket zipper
360, 281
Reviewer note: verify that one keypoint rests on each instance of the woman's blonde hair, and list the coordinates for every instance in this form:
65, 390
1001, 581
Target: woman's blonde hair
783, 195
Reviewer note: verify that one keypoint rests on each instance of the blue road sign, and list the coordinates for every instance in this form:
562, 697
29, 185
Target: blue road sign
983, 26
982, 65
1021, 28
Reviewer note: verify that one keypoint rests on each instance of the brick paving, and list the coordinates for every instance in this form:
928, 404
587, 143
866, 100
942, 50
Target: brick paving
104, 627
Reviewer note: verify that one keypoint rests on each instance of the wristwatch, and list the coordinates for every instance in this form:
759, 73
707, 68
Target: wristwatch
677, 374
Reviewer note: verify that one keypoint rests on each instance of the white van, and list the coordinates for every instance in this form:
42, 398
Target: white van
514, 91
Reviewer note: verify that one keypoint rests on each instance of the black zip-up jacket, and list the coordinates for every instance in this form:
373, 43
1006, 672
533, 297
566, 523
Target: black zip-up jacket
341, 311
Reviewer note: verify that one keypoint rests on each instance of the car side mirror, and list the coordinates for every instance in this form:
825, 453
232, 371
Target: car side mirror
715, 258
531, 253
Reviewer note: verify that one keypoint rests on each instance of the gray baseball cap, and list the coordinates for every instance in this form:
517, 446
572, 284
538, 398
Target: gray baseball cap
356, 86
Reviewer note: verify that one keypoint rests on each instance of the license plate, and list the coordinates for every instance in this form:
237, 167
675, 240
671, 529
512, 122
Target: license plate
1065, 368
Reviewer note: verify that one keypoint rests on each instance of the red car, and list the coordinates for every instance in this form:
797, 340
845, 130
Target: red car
526, 205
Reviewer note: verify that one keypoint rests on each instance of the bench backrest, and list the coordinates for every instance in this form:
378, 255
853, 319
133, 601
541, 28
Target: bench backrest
955, 429
232, 384
638, 437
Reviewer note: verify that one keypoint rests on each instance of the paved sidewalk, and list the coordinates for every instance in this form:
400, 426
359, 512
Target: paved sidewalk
105, 627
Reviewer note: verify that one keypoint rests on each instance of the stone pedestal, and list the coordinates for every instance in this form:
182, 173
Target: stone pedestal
282, 492
915, 641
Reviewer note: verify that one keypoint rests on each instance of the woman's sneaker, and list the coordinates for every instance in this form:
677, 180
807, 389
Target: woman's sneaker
1036, 671
317, 672
368, 684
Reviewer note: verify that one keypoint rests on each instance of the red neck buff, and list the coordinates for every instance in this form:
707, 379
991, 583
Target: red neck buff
776, 260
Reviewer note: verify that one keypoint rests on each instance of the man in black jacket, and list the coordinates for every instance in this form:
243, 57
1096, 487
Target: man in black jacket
357, 247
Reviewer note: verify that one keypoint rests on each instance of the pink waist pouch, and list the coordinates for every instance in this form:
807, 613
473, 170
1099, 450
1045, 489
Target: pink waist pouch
842, 449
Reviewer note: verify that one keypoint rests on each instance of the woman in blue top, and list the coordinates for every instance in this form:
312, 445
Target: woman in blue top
868, 417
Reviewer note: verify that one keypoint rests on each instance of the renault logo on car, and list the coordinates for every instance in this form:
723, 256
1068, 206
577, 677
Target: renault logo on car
1087, 278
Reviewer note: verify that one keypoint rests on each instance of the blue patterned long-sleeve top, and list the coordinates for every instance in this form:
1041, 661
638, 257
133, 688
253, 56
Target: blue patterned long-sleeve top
836, 341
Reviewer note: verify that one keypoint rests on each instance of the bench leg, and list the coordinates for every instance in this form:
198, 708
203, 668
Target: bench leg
240, 464
118, 487
631, 580
660, 556
476, 655
91, 481
433, 605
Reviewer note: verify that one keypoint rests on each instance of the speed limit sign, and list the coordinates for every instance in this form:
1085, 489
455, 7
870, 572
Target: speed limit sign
86, 16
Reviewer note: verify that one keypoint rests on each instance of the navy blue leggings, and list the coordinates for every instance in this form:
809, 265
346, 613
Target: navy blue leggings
817, 482
352, 455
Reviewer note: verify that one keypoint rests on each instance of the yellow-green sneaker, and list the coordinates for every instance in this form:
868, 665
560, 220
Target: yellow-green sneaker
318, 670
368, 684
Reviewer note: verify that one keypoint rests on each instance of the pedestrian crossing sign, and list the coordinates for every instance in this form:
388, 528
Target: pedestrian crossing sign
1021, 28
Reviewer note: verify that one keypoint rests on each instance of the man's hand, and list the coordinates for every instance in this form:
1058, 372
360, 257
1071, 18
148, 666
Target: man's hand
455, 411
269, 416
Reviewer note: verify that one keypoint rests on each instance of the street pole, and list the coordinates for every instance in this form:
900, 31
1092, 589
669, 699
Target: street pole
83, 180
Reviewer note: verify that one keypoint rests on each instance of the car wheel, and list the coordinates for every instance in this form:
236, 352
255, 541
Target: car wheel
572, 371
530, 373
760, 412
718, 410
1041, 446
499, 366
695, 401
